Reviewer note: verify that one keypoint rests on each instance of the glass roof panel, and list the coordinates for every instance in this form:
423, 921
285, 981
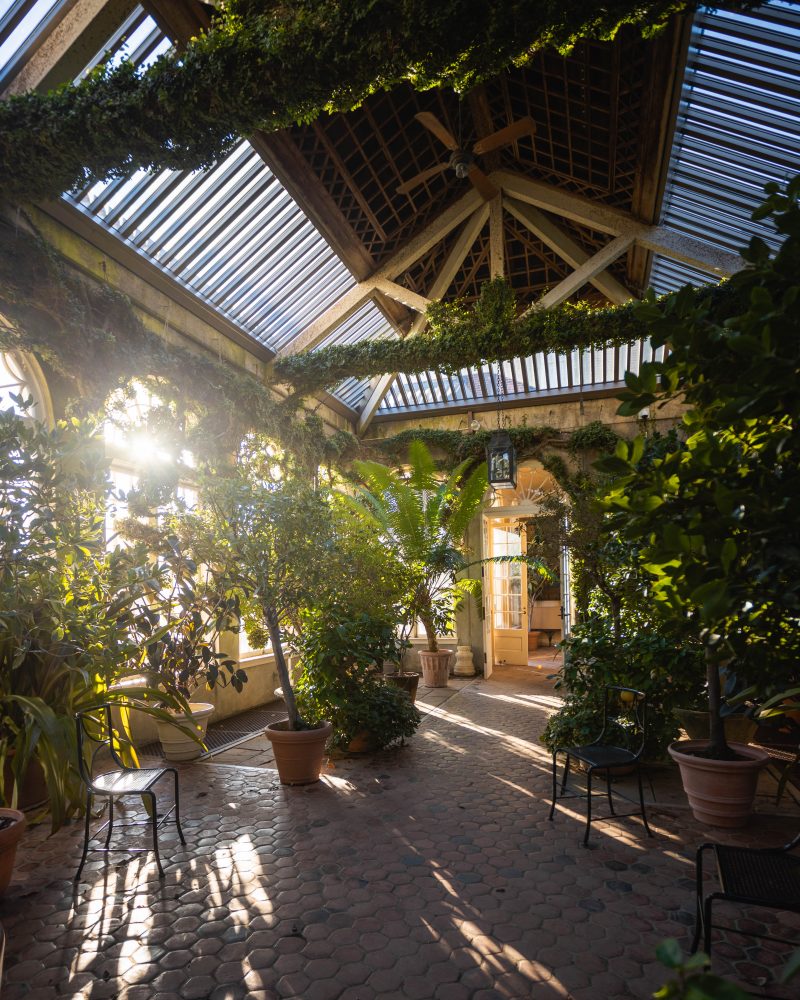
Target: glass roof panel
232, 235
738, 127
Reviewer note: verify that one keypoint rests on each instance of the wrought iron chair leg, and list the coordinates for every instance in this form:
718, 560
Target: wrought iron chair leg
110, 820
641, 801
588, 806
555, 783
566, 774
85, 835
154, 818
177, 805
707, 924
608, 791
698, 917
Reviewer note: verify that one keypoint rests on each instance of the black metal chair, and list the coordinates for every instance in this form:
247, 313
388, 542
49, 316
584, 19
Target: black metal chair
625, 706
95, 725
768, 877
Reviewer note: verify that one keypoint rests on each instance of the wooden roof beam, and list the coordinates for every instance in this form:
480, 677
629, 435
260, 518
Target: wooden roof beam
606, 219
383, 279
449, 269
566, 248
588, 270
73, 39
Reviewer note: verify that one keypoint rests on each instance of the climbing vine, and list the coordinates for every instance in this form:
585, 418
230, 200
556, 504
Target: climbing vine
266, 65
460, 335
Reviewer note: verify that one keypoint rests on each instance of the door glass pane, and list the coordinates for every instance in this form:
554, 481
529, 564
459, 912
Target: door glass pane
506, 579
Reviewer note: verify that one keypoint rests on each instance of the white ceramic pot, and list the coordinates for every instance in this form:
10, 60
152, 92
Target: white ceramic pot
139, 727
464, 665
177, 744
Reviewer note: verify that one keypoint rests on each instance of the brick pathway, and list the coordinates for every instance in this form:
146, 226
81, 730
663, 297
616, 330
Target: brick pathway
430, 871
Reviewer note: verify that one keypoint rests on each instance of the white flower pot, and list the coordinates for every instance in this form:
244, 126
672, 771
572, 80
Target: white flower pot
175, 743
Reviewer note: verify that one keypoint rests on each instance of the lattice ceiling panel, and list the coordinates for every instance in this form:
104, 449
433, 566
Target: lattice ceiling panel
588, 110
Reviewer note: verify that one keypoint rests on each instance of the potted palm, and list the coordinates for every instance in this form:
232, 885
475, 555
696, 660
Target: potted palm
264, 542
423, 518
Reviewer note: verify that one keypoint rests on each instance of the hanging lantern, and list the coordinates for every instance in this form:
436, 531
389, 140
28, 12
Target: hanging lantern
501, 460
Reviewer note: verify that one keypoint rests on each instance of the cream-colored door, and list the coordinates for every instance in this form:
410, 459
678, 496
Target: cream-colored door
508, 593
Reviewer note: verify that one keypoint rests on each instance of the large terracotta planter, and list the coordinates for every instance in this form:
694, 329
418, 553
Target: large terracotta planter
175, 743
435, 667
406, 682
720, 792
9, 838
298, 753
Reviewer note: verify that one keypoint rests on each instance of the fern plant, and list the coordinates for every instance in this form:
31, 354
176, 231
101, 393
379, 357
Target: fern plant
423, 519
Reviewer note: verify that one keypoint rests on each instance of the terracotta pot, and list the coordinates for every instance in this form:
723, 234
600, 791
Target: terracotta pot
176, 744
9, 838
363, 742
435, 667
33, 789
298, 753
406, 682
720, 792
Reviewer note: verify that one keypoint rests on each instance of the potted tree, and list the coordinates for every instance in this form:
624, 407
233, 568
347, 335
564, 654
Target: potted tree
423, 518
717, 516
340, 679
265, 542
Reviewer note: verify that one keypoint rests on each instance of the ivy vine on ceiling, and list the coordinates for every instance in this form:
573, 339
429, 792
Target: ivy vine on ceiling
266, 64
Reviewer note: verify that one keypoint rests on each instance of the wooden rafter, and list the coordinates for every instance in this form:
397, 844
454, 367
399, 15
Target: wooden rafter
563, 244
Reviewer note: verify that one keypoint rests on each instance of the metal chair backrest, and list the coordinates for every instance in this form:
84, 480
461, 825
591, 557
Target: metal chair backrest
627, 707
94, 725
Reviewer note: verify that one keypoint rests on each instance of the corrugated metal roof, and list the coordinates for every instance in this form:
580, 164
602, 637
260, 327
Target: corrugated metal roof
738, 127
22, 24
232, 235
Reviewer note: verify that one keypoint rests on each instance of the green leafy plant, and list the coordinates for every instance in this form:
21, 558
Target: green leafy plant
423, 519
73, 617
658, 661
265, 543
266, 65
716, 516
340, 679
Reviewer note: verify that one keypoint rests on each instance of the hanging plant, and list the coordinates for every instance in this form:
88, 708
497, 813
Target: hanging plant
267, 65
461, 334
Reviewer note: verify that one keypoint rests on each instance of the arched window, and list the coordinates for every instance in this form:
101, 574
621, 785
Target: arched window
21, 376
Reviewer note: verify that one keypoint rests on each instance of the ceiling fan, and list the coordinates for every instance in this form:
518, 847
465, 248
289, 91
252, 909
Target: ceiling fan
462, 160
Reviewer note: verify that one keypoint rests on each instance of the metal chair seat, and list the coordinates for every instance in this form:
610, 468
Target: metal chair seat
95, 725
123, 782
768, 877
603, 757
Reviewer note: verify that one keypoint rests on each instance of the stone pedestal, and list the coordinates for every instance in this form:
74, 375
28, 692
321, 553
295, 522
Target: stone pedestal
464, 665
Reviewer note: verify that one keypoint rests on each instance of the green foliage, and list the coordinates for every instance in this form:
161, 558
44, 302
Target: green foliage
460, 334
660, 662
74, 618
265, 543
462, 446
423, 520
265, 65
594, 436
716, 518
693, 980
340, 680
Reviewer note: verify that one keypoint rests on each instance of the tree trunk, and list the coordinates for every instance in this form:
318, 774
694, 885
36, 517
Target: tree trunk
430, 632
273, 626
719, 749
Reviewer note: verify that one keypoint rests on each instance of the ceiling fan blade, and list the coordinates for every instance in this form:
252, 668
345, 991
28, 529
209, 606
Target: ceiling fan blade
482, 183
432, 124
425, 175
504, 136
